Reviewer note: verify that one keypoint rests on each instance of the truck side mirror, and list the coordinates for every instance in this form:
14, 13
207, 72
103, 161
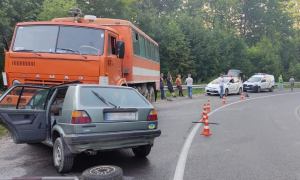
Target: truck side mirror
5, 43
120, 49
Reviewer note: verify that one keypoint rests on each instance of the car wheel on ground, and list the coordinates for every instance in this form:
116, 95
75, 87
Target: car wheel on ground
258, 89
271, 89
62, 162
240, 91
106, 172
226, 92
142, 151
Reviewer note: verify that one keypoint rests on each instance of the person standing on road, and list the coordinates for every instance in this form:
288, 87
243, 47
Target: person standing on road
179, 85
189, 83
280, 85
162, 91
169, 83
244, 79
221, 83
292, 81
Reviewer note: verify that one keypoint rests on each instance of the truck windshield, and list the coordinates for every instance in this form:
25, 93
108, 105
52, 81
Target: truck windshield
59, 39
254, 79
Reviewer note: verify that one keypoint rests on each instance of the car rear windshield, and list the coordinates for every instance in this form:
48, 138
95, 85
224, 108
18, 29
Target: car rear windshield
254, 79
123, 97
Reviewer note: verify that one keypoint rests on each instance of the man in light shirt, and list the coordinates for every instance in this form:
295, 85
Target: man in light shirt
221, 83
189, 83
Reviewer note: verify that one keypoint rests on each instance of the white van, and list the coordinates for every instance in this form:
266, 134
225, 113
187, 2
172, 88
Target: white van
260, 82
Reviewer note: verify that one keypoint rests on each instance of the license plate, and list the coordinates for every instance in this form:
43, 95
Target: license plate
211, 90
120, 116
246, 87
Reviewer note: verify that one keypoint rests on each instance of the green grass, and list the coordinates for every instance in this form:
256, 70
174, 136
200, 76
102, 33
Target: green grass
3, 131
184, 91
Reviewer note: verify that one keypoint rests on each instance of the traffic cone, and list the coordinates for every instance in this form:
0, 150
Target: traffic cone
224, 100
206, 129
242, 95
208, 106
204, 114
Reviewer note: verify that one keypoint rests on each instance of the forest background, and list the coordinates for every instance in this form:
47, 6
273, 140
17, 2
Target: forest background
201, 37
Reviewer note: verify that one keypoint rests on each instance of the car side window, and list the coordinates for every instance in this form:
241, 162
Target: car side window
25, 98
263, 80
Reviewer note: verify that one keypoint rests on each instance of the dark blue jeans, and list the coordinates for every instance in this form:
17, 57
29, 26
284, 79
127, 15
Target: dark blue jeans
190, 91
162, 93
221, 91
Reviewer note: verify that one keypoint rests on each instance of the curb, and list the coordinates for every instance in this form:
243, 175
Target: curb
42, 178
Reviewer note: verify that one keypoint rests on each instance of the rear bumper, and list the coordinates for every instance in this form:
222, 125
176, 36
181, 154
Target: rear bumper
75, 139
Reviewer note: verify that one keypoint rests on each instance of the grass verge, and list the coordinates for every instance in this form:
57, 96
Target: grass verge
3, 131
184, 91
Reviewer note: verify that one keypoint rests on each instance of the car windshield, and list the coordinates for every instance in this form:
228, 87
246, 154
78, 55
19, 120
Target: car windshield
123, 97
254, 79
59, 39
216, 81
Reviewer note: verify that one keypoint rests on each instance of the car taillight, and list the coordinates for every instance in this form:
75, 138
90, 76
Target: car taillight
152, 115
80, 117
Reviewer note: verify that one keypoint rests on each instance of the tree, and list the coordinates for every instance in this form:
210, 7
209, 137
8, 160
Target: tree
56, 8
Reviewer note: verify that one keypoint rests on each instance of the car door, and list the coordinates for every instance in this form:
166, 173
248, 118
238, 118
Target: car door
231, 86
22, 112
264, 83
235, 86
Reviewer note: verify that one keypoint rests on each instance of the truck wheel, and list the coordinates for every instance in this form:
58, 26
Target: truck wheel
106, 172
151, 95
142, 151
258, 89
62, 162
271, 89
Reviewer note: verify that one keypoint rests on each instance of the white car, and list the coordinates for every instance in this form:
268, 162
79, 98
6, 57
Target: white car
232, 85
260, 82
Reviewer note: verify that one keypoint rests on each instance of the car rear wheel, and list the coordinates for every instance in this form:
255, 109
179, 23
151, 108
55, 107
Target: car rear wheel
62, 162
240, 91
258, 89
106, 172
226, 92
142, 151
271, 89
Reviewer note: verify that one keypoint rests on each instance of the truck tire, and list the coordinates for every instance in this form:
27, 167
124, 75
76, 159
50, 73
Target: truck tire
151, 94
105, 172
142, 151
62, 162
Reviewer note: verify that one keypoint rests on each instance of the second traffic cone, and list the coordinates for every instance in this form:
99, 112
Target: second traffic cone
224, 100
204, 114
242, 95
208, 106
206, 129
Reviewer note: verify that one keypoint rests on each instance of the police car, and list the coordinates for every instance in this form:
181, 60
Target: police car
232, 85
260, 82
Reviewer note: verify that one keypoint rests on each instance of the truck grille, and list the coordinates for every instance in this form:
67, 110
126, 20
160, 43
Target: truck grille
23, 63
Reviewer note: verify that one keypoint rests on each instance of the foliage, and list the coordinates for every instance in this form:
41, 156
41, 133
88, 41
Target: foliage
202, 37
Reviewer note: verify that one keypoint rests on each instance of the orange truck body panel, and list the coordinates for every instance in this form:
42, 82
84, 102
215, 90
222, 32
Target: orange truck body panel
57, 68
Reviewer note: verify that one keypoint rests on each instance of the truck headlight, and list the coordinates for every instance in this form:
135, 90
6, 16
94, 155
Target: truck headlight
16, 82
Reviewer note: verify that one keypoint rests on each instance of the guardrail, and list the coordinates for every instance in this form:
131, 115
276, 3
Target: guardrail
202, 86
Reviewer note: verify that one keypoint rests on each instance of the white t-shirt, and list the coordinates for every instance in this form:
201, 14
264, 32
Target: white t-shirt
221, 81
189, 81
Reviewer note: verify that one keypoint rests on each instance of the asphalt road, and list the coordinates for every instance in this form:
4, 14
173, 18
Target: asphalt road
256, 139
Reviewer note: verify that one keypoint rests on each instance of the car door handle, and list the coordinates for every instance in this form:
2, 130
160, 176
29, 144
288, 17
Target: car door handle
26, 116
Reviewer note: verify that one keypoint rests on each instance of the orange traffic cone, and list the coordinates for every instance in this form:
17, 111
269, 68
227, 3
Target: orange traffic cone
242, 95
206, 129
223, 100
208, 106
204, 114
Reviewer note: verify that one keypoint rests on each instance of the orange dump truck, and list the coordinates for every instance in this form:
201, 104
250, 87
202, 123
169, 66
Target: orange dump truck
88, 49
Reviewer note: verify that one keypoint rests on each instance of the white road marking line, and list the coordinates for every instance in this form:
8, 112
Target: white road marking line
180, 167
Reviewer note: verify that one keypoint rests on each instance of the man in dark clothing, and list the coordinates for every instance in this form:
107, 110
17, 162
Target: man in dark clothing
244, 79
162, 91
